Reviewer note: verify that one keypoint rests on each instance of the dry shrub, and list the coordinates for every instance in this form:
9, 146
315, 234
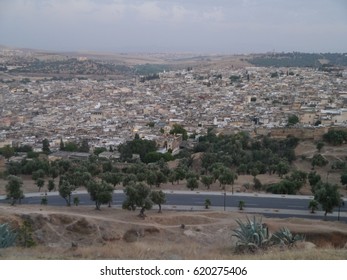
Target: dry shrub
58, 219
151, 230
335, 239
81, 226
131, 235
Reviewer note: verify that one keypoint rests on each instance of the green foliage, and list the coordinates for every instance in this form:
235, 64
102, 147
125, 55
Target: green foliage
45, 146
136, 146
253, 235
335, 137
241, 204
98, 150
328, 196
313, 205
25, 238
137, 195
14, 190
38, 174
158, 197
100, 193
207, 180
7, 151
319, 160
285, 237
286, 186
44, 200
156, 156
207, 203
192, 183
320, 146
7, 236
343, 179
76, 200
40, 183
282, 168
112, 178
292, 120
179, 129
51, 185
338, 165
65, 190
150, 69
313, 178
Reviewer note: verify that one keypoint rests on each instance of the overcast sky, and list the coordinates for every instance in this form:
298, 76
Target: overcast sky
214, 26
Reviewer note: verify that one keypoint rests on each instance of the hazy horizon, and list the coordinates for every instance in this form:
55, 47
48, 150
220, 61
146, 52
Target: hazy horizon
175, 26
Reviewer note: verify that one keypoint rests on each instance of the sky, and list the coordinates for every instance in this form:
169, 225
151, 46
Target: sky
192, 26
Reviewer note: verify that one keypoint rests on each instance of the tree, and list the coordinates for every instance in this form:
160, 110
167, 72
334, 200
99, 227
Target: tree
76, 200
51, 185
207, 180
313, 205
38, 174
65, 191
192, 183
112, 178
282, 168
318, 160
292, 120
98, 150
160, 178
241, 204
100, 193
40, 182
313, 178
328, 196
179, 129
7, 151
320, 146
45, 146
207, 203
158, 197
14, 189
137, 195
227, 177
343, 179
84, 148
335, 137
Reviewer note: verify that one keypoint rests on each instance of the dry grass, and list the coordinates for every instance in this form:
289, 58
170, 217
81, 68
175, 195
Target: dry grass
206, 235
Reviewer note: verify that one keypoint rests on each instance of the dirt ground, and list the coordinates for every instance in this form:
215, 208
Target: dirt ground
85, 233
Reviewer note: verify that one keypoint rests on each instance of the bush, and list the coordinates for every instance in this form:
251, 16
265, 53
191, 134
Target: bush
7, 236
254, 235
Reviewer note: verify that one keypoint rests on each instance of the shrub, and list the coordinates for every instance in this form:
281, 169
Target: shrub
284, 237
254, 235
7, 236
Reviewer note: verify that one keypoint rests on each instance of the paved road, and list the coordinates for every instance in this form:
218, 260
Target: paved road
266, 204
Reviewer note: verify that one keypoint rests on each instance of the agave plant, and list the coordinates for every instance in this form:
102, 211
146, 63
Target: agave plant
285, 237
252, 235
7, 236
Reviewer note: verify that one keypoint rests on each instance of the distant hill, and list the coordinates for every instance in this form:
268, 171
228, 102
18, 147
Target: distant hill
295, 59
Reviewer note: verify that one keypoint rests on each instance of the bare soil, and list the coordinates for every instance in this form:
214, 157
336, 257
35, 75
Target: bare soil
85, 233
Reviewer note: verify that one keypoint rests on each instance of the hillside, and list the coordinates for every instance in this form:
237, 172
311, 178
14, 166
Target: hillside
111, 233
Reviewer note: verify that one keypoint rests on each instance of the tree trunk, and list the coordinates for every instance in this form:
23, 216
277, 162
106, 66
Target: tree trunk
142, 212
159, 208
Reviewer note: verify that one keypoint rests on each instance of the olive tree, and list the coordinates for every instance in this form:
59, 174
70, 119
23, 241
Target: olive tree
137, 195
14, 190
158, 197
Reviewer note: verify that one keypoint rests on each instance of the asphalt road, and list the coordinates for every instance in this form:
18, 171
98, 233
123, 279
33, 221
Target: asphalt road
268, 205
